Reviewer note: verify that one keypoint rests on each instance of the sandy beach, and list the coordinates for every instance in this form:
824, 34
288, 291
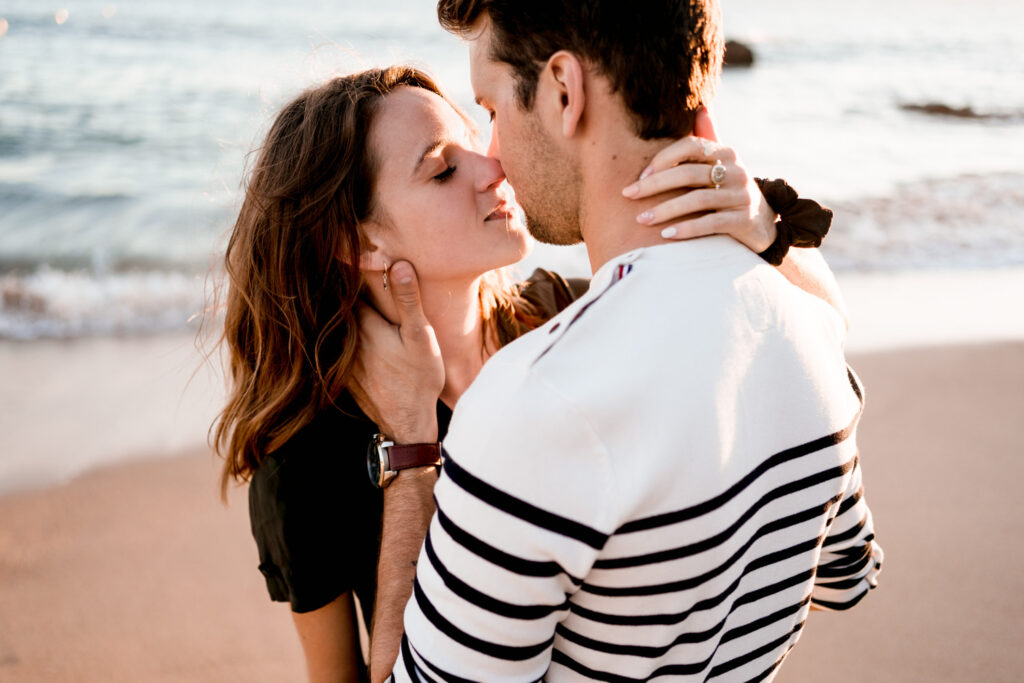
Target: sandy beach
137, 572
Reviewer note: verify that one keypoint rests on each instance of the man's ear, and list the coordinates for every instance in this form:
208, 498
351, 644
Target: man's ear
704, 125
564, 89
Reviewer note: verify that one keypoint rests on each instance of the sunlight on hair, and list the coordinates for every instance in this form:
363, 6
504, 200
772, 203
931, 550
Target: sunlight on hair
3, 27
109, 10
61, 16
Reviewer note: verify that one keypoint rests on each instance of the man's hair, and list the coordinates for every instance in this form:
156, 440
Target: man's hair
662, 56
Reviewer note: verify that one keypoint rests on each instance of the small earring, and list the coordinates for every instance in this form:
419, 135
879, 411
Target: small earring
385, 276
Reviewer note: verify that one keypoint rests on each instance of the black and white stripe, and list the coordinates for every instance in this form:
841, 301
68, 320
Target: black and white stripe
608, 617
588, 530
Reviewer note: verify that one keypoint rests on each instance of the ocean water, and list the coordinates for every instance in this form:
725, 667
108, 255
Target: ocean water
124, 130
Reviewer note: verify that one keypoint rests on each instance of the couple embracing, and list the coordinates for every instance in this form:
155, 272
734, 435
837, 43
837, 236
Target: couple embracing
652, 476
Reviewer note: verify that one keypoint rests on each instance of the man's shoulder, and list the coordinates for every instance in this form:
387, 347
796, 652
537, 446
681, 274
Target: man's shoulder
516, 432
686, 297
673, 319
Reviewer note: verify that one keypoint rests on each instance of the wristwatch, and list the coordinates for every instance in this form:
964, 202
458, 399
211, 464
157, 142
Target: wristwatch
384, 459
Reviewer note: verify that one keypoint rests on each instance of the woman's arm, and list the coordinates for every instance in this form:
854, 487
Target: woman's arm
330, 640
806, 268
736, 207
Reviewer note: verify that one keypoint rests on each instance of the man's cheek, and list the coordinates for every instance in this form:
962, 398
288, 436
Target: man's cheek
493, 149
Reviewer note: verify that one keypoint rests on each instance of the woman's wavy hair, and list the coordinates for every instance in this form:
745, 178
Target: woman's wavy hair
293, 281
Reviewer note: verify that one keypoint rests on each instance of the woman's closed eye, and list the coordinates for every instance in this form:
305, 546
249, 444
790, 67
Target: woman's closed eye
445, 174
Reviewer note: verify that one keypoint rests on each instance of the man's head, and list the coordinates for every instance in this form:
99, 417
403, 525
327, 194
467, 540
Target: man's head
659, 58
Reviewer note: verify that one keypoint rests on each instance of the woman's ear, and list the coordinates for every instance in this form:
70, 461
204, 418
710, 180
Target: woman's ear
372, 261
372, 255
562, 79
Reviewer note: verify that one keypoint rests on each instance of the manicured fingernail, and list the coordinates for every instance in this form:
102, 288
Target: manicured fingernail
645, 217
646, 172
631, 191
668, 232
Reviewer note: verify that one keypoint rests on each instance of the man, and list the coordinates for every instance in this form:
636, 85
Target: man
663, 479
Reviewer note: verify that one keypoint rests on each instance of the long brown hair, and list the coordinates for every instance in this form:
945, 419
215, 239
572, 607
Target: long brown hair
290, 324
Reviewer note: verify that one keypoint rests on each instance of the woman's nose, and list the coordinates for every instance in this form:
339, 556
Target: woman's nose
490, 173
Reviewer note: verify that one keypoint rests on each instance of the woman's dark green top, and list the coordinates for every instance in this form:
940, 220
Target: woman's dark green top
315, 515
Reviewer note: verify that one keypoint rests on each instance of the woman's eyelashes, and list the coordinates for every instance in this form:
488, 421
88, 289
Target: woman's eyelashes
445, 174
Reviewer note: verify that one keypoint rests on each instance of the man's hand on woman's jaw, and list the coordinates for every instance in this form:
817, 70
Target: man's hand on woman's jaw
398, 374
734, 207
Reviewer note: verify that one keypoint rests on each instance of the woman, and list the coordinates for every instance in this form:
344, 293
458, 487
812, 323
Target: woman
354, 175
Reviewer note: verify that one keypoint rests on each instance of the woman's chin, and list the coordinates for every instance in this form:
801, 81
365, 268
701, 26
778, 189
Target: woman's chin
520, 243
526, 246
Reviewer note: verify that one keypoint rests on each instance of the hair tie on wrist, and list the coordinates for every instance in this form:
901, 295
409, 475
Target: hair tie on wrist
802, 222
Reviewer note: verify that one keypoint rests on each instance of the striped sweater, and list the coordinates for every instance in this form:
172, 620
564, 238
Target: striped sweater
659, 482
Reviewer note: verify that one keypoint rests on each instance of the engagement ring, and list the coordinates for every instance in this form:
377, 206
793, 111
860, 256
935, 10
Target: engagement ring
718, 174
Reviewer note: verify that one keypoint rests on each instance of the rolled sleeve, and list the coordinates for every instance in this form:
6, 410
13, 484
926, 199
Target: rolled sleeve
850, 558
506, 548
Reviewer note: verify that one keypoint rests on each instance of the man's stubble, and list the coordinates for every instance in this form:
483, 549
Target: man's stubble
549, 190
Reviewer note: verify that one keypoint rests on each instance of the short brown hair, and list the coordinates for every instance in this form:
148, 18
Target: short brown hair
662, 56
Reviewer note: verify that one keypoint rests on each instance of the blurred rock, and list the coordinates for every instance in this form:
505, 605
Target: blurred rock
938, 109
738, 54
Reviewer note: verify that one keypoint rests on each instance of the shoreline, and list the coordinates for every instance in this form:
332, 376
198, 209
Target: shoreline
73, 405
140, 573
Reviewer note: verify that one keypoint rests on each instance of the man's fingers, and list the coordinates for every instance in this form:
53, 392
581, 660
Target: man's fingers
371, 322
413, 325
405, 292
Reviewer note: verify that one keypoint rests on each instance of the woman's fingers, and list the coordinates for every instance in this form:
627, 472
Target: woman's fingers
717, 223
675, 178
690, 149
757, 233
686, 175
706, 202
696, 201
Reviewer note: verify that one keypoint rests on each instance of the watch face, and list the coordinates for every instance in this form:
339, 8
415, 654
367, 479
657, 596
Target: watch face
375, 458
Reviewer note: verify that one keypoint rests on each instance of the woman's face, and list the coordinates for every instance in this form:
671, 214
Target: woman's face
440, 202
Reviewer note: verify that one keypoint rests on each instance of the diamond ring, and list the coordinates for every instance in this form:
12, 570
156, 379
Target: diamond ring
718, 174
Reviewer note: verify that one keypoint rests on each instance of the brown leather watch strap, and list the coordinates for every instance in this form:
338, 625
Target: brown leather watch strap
413, 455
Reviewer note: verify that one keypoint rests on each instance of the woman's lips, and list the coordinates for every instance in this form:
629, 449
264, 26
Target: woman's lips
503, 213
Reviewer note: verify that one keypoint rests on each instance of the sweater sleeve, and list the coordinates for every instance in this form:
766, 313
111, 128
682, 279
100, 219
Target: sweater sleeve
850, 558
506, 548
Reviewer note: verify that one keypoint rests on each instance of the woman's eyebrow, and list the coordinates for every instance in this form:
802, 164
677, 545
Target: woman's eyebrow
434, 145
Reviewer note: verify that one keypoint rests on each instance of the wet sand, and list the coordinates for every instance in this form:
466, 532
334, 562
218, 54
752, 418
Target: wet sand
137, 572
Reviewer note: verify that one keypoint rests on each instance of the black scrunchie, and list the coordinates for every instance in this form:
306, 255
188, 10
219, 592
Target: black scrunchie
802, 222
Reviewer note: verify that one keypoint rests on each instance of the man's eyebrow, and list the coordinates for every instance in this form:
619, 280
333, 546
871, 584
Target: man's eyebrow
434, 145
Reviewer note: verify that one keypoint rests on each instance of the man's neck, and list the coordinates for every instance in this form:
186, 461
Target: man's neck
607, 218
